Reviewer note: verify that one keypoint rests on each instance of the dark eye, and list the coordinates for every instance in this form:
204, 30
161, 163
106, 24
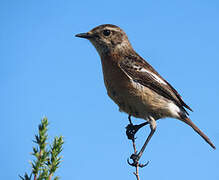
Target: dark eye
106, 32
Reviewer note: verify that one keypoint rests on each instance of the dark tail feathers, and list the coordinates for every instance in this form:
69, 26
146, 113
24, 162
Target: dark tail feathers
190, 123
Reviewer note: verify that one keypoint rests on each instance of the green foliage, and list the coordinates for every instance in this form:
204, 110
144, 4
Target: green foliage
46, 160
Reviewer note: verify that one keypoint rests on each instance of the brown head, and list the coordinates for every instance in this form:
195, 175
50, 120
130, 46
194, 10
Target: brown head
107, 38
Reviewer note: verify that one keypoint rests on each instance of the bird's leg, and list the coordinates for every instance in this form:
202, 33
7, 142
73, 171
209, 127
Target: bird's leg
135, 157
131, 129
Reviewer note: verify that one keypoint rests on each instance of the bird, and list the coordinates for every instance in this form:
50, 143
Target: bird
134, 85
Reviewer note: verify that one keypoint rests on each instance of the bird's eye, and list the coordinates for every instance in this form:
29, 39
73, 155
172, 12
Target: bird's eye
106, 32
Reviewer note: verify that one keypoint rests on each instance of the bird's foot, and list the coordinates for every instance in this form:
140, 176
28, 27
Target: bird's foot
131, 130
135, 158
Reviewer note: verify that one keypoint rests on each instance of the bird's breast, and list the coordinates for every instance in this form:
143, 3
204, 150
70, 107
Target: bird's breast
130, 96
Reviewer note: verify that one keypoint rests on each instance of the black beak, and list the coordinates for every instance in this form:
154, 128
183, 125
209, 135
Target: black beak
84, 35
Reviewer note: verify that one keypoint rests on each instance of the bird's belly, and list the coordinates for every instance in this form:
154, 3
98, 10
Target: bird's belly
138, 100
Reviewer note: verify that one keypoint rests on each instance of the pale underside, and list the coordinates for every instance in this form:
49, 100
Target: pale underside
143, 102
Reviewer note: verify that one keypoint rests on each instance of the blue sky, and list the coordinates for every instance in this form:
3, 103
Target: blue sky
45, 70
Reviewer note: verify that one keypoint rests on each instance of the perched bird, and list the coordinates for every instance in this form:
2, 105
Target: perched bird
134, 85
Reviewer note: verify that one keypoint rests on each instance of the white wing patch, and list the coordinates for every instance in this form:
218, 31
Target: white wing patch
155, 77
135, 84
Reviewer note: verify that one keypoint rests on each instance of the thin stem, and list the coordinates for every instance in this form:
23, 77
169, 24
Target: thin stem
136, 173
50, 176
35, 176
137, 166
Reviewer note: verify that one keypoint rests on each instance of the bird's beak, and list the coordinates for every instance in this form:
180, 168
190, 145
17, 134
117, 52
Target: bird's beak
84, 35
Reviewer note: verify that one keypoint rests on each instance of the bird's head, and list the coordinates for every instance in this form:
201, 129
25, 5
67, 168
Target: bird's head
107, 38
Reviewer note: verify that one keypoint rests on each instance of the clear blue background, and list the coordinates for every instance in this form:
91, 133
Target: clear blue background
45, 70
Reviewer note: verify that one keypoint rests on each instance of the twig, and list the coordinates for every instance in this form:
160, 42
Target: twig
137, 165
136, 173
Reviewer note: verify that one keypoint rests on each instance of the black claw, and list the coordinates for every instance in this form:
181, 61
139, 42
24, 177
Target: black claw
131, 130
143, 165
134, 164
135, 159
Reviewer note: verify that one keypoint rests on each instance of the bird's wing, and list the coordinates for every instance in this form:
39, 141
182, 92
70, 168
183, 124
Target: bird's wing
141, 72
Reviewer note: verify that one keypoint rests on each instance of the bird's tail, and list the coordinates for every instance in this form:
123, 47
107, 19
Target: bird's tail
190, 123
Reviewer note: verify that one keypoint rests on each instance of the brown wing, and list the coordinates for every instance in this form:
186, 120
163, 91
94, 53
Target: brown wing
140, 71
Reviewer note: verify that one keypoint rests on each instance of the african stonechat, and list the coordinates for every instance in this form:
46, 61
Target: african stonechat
134, 85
